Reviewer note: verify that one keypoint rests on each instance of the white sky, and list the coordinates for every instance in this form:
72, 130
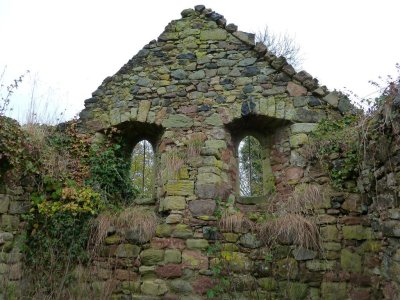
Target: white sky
71, 46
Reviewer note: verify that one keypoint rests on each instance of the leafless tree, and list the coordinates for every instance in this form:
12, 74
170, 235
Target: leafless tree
281, 45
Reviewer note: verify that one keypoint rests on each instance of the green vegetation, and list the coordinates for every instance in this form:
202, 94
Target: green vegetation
336, 144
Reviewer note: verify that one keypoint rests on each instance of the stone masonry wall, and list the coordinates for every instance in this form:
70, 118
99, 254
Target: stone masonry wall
203, 85
14, 201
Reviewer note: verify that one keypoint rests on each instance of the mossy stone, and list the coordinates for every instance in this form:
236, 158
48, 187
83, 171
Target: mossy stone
201, 244
350, 261
267, 283
163, 230
127, 251
213, 34
151, 257
333, 290
182, 231
172, 256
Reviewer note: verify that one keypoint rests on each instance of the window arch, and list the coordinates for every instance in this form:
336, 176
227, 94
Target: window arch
143, 169
255, 176
250, 167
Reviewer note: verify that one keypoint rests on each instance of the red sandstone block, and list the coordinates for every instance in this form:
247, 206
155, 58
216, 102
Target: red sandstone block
169, 271
170, 243
202, 284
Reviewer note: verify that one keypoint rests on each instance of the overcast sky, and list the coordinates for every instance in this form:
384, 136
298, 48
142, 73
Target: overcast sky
71, 46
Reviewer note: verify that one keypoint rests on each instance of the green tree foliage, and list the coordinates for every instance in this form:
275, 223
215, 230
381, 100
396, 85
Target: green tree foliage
250, 167
142, 168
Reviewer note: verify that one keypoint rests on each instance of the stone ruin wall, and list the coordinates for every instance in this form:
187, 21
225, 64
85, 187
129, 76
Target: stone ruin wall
203, 80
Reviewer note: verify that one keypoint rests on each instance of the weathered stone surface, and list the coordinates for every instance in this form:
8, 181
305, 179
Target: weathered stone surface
127, 251
214, 120
333, 290
286, 268
203, 284
172, 256
156, 287
213, 34
350, 261
320, 265
180, 188
267, 283
4, 203
329, 233
177, 121
247, 61
245, 37
171, 243
304, 254
202, 207
172, 203
180, 286
299, 139
144, 107
332, 99
249, 240
294, 175
151, 257
197, 244
356, 232
169, 271
194, 259
182, 231
296, 90
303, 127
163, 230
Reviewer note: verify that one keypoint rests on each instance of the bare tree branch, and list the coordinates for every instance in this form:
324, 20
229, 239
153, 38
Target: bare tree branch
281, 45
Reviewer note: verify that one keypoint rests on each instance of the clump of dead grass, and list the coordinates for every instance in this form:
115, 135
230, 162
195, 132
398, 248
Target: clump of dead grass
140, 220
235, 221
292, 221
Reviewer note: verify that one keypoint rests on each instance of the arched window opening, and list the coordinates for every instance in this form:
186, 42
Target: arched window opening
142, 169
250, 167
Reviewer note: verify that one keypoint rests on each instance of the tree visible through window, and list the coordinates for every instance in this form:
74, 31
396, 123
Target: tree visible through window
142, 169
250, 167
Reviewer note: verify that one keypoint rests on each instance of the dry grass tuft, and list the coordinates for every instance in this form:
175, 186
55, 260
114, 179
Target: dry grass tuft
290, 228
173, 161
235, 221
291, 221
140, 220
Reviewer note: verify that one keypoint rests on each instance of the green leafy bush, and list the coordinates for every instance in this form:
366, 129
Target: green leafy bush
336, 144
109, 173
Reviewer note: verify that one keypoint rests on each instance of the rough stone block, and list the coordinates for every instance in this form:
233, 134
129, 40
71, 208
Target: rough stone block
151, 257
296, 90
333, 290
156, 287
169, 271
180, 188
172, 256
177, 121
329, 233
303, 127
200, 244
213, 34
172, 203
202, 207
297, 140
127, 251
267, 283
182, 231
4, 203
350, 261
194, 259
